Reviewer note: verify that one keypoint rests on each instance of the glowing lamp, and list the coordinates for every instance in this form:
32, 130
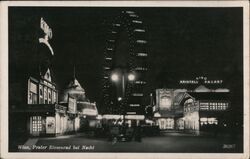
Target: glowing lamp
114, 77
131, 77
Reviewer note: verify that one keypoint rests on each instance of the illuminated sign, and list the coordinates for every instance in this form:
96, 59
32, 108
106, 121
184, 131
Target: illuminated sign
111, 116
71, 104
50, 125
48, 34
135, 117
46, 29
164, 98
191, 106
130, 117
165, 101
90, 112
60, 109
201, 80
131, 112
33, 87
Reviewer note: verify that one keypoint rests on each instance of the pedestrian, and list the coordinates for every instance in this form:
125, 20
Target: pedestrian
114, 140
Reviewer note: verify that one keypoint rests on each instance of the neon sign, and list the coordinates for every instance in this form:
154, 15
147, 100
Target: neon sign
48, 35
46, 29
201, 80
164, 98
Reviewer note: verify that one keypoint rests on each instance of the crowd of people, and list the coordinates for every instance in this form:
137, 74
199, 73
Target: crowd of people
119, 130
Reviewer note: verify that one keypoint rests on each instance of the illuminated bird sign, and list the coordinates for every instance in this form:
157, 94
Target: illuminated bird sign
48, 35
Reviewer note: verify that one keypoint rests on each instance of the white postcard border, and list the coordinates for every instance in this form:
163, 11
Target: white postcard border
4, 76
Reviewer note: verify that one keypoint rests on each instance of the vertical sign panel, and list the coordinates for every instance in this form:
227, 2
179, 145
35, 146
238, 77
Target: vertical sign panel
50, 125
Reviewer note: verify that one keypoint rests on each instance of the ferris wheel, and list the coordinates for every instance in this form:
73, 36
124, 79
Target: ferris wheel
130, 23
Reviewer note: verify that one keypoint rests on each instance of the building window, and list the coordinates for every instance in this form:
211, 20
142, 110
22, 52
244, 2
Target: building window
36, 123
218, 106
208, 121
41, 92
134, 105
204, 106
141, 68
55, 100
213, 106
41, 95
49, 96
47, 74
140, 82
45, 96
222, 106
33, 98
142, 54
52, 97
32, 93
138, 94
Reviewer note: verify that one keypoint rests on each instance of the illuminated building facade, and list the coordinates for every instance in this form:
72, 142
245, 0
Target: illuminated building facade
45, 115
201, 109
168, 111
210, 108
42, 91
86, 111
40, 114
126, 27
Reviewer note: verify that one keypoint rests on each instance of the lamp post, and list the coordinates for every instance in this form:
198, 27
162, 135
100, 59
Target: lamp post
115, 77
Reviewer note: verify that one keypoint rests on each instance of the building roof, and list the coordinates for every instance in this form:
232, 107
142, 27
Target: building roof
75, 90
202, 88
178, 97
75, 85
222, 90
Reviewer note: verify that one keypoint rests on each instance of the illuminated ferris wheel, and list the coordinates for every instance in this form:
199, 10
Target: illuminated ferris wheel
128, 23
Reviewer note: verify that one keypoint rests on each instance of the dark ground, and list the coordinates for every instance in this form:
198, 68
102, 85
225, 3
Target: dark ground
166, 142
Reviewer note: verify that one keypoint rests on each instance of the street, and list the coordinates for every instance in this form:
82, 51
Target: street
166, 142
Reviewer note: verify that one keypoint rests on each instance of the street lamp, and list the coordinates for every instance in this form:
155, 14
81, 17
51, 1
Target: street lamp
131, 77
115, 77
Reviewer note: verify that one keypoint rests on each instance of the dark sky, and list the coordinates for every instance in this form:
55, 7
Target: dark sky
182, 43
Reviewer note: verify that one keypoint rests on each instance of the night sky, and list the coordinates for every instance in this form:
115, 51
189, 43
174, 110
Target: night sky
182, 43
